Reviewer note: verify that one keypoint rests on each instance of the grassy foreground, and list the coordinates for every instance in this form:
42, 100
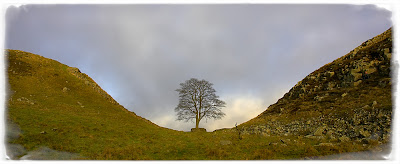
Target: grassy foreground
59, 107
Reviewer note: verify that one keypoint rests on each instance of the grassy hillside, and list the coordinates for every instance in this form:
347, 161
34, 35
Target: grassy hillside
60, 108
347, 100
56, 108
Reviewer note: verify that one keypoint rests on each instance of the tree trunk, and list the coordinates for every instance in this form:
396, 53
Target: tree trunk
197, 121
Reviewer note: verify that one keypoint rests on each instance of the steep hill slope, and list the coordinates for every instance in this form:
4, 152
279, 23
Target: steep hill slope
347, 100
58, 107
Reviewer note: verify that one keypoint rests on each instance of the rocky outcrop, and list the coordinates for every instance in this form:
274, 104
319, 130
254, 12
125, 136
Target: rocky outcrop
371, 59
346, 100
367, 124
89, 82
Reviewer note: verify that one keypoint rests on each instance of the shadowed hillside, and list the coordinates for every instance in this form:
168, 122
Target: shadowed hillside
56, 112
346, 101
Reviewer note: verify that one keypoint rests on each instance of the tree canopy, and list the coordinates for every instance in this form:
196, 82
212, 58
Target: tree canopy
197, 100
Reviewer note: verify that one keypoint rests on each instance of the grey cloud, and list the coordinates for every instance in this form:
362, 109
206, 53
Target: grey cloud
140, 53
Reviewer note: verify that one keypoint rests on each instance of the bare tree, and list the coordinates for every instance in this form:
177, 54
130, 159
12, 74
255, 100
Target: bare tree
197, 100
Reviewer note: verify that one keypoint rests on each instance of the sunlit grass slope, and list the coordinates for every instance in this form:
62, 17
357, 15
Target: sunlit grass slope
58, 107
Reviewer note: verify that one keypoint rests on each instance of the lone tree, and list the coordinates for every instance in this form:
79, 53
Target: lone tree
197, 100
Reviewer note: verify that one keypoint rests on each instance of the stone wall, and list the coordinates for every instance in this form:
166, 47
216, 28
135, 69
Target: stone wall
366, 123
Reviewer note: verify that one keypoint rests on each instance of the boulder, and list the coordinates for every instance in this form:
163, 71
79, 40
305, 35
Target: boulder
273, 143
320, 131
344, 94
366, 107
331, 74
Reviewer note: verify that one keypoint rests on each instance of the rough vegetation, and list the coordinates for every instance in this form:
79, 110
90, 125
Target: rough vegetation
345, 101
57, 112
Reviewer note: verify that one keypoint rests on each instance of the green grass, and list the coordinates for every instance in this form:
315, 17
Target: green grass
82, 120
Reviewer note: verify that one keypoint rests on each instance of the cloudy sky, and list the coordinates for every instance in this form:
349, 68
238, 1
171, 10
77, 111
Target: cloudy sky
139, 54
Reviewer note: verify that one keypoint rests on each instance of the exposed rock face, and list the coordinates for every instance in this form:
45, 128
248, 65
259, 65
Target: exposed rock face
346, 100
365, 124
